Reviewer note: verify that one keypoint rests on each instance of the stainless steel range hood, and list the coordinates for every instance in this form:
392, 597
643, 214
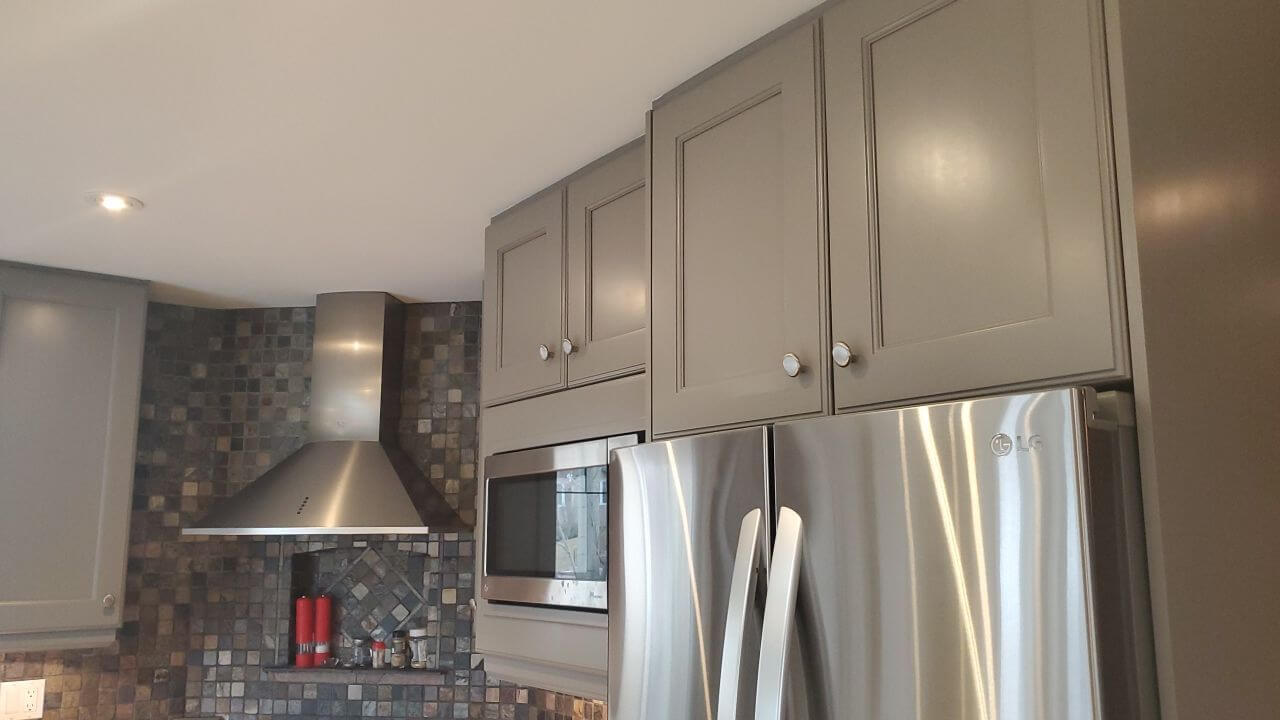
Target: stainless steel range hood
351, 477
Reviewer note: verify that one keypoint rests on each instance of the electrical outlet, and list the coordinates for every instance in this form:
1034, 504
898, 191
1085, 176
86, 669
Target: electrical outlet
22, 700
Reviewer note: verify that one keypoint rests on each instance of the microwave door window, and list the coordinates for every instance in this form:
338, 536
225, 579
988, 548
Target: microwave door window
550, 525
582, 535
519, 509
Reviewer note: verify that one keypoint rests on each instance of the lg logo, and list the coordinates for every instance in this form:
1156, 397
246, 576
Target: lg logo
1002, 444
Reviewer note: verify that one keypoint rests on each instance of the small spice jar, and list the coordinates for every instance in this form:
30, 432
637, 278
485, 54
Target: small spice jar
360, 655
418, 646
379, 654
399, 650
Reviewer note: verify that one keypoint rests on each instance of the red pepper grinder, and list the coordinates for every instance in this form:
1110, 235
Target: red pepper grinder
304, 619
324, 625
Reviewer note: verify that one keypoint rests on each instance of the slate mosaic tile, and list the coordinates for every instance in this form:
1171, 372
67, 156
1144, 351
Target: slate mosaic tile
371, 597
225, 395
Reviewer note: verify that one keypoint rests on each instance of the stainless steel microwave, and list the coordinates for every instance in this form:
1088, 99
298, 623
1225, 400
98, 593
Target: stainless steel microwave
546, 535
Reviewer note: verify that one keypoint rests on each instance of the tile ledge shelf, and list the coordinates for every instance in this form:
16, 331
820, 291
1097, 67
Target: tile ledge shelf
355, 676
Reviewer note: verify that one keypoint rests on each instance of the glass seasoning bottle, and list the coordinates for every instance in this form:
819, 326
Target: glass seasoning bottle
418, 647
360, 654
379, 654
399, 650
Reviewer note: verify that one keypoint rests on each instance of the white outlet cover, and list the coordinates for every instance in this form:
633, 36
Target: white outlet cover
22, 700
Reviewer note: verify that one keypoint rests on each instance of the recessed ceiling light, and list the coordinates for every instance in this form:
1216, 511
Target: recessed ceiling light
113, 202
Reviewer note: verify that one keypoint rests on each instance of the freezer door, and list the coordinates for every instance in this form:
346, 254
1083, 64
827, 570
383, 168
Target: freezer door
676, 524
943, 570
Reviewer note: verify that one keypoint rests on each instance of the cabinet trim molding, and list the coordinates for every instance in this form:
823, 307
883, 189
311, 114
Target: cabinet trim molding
57, 640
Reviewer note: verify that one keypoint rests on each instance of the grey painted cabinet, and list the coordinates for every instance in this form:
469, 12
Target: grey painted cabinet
737, 244
524, 300
565, 301
70, 372
972, 231
606, 279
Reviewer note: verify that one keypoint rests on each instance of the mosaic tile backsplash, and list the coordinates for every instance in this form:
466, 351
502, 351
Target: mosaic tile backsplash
224, 397
375, 590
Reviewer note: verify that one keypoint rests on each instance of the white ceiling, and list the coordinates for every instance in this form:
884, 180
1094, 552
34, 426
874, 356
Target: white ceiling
290, 147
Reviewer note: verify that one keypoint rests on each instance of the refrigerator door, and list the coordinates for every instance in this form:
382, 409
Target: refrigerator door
943, 572
679, 511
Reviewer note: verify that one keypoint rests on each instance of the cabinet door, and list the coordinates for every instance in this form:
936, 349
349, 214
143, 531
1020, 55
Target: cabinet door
606, 280
524, 300
973, 241
70, 372
737, 247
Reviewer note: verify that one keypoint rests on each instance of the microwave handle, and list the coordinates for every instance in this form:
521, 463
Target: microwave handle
741, 591
779, 616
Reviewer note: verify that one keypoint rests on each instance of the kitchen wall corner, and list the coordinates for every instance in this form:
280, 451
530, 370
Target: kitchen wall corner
224, 397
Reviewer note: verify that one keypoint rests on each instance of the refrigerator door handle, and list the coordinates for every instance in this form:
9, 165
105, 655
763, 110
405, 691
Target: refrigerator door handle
741, 591
779, 615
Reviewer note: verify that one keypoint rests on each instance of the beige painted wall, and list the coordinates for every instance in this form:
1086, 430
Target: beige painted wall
1201, 94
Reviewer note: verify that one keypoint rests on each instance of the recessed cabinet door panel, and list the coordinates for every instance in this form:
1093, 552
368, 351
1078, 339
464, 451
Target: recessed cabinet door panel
70, 368
524, 294
973, 240
737, 248
606, 283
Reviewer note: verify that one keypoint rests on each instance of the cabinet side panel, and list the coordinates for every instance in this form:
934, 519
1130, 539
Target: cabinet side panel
1197, 103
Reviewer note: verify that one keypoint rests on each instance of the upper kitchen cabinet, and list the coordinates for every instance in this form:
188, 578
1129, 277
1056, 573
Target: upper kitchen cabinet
70, 373
564, 301
606, 279
524, 300
737, 243
972, 229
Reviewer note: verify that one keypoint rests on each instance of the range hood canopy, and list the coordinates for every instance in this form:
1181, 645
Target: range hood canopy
351, 477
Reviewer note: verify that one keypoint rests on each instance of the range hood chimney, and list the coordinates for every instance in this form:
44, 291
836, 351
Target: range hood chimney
351, 477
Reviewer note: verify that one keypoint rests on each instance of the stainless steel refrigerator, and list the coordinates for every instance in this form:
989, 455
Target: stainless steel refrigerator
972, 560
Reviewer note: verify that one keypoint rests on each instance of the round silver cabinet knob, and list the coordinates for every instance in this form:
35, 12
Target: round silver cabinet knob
843, 355
544, 352
791, 365
566, 345
108, 601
